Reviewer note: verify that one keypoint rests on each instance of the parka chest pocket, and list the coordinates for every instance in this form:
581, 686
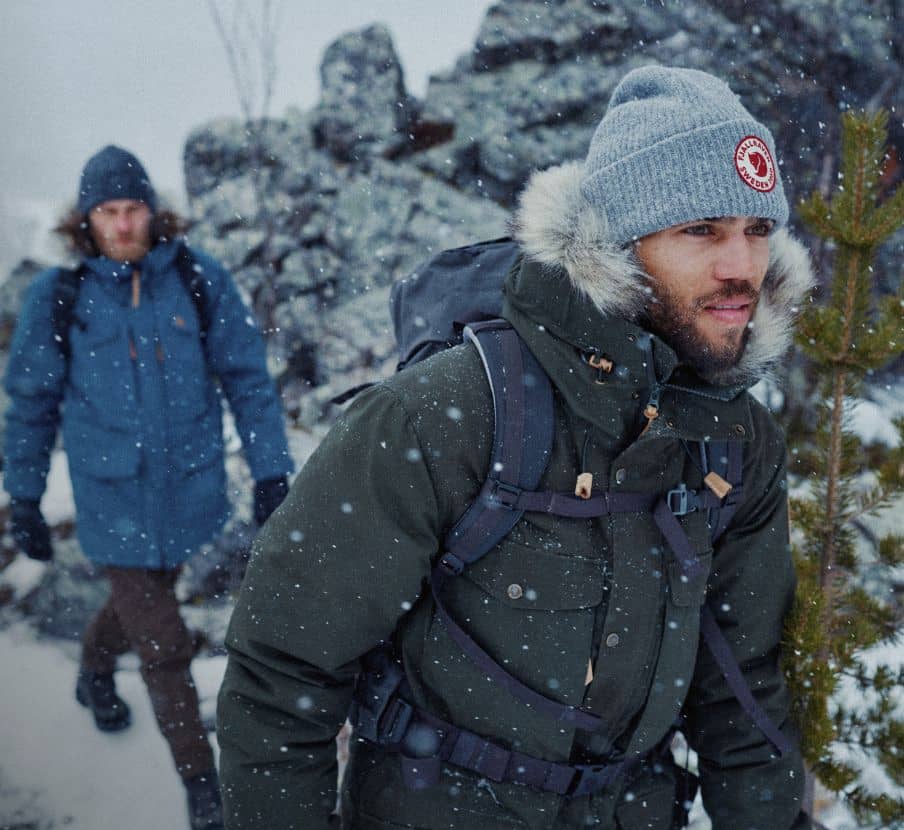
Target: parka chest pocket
100, 370
529, 579
533, 612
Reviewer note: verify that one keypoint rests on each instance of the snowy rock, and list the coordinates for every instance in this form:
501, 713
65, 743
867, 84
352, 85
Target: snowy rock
524, 116
228, 205
370, 183
308, 270
70, 593
214, 152
235, 249
20, 578
542, 69
364, 109
357, 334
228, 147
12, 291
547, 32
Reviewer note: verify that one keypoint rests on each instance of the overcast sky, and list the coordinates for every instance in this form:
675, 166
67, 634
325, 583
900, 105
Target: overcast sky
79, 74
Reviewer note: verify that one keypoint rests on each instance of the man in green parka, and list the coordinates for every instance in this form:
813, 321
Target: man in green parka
672, 227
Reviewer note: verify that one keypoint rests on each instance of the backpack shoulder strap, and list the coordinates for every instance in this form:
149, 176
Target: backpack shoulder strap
193, 280
65, 293
522, 442
727, 459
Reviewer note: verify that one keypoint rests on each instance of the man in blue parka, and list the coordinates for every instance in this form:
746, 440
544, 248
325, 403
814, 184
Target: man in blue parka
152, 335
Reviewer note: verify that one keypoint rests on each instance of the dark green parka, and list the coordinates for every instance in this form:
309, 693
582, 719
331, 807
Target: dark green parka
342, 566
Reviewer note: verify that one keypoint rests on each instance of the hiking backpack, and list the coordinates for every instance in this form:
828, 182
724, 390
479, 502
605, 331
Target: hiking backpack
434, 309
69, 283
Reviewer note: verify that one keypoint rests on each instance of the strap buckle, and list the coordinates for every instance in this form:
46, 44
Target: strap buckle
451, 564
395, 721
504, 495
681, 501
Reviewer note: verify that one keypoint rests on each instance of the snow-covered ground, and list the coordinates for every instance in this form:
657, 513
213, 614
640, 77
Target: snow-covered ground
57, 770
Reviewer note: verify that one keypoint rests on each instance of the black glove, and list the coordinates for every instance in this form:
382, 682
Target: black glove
29, 530
268, 495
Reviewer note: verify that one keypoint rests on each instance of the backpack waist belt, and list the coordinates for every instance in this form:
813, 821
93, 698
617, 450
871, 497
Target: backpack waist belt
424, 742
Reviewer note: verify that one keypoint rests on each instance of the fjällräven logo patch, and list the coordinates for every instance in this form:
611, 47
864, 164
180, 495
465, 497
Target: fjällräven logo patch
754, 163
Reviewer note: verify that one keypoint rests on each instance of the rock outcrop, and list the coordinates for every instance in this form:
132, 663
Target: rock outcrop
336, 204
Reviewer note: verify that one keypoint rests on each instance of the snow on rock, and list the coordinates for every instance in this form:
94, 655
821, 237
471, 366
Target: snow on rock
21, 577
58, 505
364, 109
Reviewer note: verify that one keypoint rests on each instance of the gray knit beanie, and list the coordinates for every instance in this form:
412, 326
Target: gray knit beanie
114, 173
677, 145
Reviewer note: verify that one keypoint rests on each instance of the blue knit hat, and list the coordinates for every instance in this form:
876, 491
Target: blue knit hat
114, 173
676, 145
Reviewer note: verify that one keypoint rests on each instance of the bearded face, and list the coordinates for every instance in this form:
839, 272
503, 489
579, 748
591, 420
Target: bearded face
121, 229
705, 280
683, 324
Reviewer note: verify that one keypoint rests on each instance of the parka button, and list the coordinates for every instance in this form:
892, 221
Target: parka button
739, 429
515, 591
612, 640
620, 475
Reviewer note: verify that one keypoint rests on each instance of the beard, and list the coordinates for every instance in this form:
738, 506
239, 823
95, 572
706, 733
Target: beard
675, 322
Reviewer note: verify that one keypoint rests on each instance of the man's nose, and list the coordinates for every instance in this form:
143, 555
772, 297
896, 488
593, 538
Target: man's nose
736, 259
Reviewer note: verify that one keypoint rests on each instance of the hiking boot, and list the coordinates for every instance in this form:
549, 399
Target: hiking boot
97, 691
205, 810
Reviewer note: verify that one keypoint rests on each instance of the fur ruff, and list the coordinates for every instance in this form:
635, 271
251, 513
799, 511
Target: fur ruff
558, 228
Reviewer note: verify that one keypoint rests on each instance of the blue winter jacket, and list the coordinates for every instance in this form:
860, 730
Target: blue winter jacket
140, 406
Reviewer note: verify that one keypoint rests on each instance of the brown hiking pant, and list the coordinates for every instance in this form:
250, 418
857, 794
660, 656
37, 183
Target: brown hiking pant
142, 615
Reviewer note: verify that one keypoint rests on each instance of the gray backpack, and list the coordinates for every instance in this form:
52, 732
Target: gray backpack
431, 307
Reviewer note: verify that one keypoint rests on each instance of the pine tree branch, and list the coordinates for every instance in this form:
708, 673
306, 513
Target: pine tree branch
888, 217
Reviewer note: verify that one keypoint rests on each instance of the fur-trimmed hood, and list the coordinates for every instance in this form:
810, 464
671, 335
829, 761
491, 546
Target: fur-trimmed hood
558, 228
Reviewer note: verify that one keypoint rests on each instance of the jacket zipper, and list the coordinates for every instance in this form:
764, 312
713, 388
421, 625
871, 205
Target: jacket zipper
133, 354
651, 410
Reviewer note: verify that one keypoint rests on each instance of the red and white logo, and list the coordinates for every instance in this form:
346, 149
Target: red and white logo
754, 164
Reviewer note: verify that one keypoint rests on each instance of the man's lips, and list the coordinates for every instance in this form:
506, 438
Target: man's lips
735, 312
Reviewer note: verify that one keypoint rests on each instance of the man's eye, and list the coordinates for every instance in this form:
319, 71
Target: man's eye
698, 230
760, 229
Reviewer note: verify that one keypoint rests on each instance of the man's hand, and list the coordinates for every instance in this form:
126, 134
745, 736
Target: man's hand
268, 495
29, 530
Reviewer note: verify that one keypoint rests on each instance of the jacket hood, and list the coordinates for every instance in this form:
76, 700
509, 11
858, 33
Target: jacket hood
558, 228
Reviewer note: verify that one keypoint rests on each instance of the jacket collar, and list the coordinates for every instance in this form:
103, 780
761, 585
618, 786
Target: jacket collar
590, 282
563, 329
157, 259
